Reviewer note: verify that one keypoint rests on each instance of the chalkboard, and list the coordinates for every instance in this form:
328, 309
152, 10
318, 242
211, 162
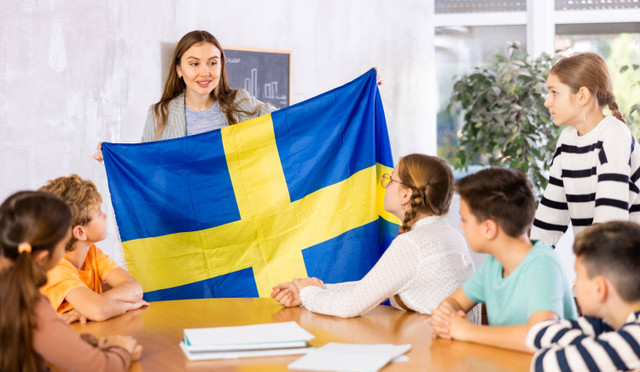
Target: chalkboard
263, 73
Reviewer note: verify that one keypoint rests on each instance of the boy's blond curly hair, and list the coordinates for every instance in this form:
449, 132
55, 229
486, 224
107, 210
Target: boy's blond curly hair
80, 195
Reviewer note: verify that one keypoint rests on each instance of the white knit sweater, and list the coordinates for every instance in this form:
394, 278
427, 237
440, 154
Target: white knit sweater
424, 266
593, 178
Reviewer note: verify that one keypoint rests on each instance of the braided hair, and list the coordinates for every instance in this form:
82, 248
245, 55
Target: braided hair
588, 70
431, 182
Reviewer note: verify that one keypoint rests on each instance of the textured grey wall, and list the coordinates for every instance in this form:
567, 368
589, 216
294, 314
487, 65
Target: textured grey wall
76, 72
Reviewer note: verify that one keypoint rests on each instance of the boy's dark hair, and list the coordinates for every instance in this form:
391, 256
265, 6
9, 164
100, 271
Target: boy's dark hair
502, 195
612, 250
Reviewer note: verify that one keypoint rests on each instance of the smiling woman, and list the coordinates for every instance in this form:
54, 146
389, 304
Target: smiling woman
197, 96
199, 68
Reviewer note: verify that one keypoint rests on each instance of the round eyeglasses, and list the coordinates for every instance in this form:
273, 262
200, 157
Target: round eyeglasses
386, 180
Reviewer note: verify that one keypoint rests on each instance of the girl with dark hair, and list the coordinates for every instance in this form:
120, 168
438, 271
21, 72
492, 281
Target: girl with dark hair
34, 230
424, 264
594, 174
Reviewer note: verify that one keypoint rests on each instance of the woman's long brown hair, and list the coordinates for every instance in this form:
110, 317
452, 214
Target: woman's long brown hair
174, 86
42, 220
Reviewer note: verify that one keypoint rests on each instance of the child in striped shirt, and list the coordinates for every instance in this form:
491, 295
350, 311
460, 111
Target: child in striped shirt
608, 291
595, 171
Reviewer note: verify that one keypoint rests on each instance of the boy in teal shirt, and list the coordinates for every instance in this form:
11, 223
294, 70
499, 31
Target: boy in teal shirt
520, 283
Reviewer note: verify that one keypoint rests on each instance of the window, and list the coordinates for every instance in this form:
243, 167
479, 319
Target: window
478, 6
458, 51
595, 4
619, 45
469, 32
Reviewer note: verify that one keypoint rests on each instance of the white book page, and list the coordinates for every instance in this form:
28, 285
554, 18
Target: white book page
317, 360
387, 349
250, 334
351, 357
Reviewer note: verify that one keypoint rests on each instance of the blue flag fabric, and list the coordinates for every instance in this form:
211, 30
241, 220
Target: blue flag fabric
232, 212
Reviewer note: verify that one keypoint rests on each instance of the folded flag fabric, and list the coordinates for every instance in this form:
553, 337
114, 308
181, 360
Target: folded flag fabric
232, 212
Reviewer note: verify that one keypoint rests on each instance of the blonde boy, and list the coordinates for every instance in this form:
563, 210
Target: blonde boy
74, 286
520, 283
607, 288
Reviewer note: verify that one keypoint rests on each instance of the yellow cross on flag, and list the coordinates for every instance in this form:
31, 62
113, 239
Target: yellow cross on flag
232, 212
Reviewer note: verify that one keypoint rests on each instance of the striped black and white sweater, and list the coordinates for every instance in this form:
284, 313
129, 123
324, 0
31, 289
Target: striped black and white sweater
588, 344
593, 178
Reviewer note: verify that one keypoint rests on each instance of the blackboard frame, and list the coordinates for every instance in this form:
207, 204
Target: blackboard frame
271, 59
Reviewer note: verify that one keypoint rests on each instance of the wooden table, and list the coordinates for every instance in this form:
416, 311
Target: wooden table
159, 329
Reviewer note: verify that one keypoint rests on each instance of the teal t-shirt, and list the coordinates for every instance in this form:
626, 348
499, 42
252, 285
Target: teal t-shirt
538, 283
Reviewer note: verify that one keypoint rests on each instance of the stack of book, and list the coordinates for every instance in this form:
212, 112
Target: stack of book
257, 340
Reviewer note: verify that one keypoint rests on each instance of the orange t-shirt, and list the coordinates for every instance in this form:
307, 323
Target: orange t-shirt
65, 276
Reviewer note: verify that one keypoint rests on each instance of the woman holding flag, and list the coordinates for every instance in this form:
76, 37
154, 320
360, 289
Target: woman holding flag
197, 96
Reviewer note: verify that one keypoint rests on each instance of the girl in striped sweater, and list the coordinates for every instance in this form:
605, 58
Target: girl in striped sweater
594, 174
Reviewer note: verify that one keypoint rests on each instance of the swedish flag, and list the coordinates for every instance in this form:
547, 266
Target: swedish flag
232, 212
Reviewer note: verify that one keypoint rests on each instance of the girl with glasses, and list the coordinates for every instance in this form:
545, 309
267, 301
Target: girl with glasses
424, 264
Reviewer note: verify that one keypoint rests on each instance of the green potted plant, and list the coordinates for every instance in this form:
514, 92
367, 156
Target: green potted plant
505, 122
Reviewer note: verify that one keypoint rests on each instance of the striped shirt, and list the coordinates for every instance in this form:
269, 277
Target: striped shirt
593, 178
587, 344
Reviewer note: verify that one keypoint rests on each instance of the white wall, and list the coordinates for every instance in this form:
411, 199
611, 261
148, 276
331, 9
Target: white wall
74, 72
